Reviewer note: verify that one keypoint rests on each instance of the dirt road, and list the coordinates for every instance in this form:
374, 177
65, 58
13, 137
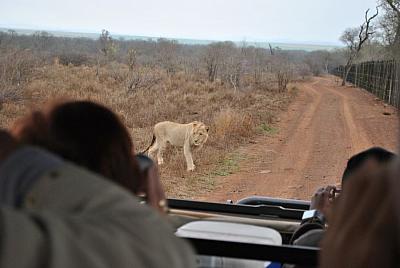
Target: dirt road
322, 128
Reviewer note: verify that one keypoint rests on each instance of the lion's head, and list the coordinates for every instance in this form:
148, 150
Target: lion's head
199, 133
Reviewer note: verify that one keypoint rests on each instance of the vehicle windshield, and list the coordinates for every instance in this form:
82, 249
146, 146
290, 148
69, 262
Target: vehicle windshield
231, 98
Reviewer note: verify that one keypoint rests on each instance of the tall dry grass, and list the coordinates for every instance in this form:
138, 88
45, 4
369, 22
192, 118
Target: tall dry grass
233, 117
231, 124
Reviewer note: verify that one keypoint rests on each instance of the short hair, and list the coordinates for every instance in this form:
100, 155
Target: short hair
378, 154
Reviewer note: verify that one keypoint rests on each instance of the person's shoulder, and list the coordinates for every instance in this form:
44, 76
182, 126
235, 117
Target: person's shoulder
68, 187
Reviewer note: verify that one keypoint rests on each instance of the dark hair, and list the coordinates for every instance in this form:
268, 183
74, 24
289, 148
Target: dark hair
87, 134
378, 154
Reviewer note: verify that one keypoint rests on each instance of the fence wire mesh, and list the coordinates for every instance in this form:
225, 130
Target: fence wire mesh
381, 78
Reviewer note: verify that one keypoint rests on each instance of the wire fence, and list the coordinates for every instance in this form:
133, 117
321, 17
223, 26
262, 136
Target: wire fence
381, 78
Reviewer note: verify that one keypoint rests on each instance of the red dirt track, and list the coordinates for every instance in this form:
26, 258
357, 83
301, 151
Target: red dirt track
321, 129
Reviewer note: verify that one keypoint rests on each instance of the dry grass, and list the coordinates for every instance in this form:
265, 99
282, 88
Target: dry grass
230, 123
233, 117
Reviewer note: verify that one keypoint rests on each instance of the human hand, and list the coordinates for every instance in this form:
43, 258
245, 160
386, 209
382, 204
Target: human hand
152, 189
322, 200
362, 231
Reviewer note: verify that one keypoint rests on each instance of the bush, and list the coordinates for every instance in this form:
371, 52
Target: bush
229, 123
74, 59
16, 69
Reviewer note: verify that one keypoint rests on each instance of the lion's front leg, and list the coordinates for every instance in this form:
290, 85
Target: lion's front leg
188, 156
198, 147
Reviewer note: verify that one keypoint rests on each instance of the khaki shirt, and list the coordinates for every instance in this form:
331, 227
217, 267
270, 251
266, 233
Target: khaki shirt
73, 218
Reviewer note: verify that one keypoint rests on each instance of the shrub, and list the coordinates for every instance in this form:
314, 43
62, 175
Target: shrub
74, 59
229, 123
16, 68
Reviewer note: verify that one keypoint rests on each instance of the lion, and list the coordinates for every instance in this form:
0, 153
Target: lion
188, 136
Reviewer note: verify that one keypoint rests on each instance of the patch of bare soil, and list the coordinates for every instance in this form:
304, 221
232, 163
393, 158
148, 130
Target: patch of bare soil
324, 126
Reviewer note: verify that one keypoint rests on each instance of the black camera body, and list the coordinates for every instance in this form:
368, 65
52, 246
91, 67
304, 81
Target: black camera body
144, 162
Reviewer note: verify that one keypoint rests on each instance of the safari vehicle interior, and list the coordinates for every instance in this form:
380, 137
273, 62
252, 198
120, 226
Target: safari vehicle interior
282, 215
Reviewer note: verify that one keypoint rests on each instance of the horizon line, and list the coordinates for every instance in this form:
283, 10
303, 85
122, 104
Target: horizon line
235, 40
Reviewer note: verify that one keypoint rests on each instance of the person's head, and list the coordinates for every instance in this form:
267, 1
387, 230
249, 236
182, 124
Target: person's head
367, 235
376, 156
85, 133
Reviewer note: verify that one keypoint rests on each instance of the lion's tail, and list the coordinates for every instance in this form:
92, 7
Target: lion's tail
152, 142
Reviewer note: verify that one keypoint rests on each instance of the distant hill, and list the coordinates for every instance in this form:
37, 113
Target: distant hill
284, 46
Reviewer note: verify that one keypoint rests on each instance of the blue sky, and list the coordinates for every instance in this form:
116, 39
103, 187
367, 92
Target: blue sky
310, 21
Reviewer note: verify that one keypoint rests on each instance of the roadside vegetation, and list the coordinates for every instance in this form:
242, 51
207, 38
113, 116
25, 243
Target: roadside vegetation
146, 87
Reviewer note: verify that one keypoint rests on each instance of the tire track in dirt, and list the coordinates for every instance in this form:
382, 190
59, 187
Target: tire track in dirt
321, 129
295, 153
358, 137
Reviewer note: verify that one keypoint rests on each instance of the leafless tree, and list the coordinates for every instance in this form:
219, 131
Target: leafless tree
12, 34
271, 50
235, 71
395, 6
129, 61
213, 58
139, 77
318, 61
41, 39
167, 54
390, 24
142, 78
282, 70
283, 75
259, 62
233, 64
355, 38
132, 59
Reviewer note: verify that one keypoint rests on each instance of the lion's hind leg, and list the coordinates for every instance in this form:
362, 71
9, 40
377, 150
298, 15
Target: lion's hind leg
153, 149
158, 147
161, 148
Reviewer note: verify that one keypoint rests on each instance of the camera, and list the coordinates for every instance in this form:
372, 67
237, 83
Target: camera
144, 163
